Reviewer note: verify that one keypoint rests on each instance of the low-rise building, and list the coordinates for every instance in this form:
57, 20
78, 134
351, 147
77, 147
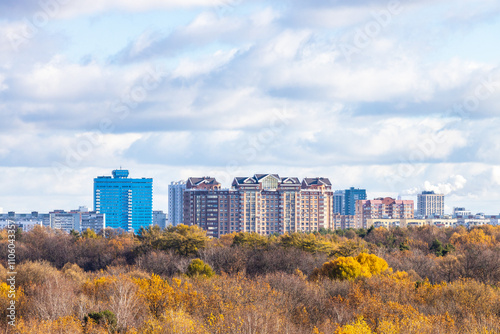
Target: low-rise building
92, 220
25, 221
461, 212
471, 221
342, 222
382, 208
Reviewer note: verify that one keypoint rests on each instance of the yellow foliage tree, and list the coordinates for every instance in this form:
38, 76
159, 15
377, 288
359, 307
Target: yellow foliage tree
161, 296
157, 292
6, 301
68, 324
358, 327
474, 237
343, 268
349, 268
99, 288
375, 264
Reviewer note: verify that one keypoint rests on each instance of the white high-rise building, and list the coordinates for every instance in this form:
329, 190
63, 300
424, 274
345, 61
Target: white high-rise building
430, 204
175, 202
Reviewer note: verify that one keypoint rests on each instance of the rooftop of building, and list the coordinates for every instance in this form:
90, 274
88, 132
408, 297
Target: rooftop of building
202, 182
119, 175
320, 181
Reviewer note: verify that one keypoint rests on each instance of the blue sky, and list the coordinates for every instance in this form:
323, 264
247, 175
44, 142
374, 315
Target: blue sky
396, 97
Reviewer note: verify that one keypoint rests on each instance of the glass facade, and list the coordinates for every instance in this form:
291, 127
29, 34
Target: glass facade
127, 202
351, 196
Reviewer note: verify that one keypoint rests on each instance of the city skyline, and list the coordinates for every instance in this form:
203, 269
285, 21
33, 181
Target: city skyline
176, 189
389, 96
448, 210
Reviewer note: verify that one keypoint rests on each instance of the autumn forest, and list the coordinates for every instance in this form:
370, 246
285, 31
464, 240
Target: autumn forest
400, 280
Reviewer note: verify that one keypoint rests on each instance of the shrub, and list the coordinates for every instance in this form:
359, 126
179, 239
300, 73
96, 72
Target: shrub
349, 268
199, 268
105, 318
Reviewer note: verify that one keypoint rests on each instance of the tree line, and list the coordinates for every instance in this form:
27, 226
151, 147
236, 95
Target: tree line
177, 280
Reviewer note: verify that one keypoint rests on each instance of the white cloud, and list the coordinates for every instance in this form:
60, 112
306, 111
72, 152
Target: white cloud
74, 9
457, 182
3, 86
188, 68
372, 122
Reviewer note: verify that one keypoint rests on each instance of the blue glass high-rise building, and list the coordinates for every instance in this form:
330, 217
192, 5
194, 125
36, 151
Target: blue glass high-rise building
127, 202
351, 196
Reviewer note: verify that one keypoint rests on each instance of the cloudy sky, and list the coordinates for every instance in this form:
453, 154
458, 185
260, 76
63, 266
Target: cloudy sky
392, 96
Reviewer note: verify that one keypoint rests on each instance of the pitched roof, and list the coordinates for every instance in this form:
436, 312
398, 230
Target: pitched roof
259, 177
290, 180
197, 181
311, 181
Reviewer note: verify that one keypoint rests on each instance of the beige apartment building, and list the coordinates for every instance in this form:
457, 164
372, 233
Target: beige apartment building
430, 204
262, 203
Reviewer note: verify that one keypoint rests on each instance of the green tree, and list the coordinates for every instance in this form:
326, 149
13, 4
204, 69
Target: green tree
306, 242
437, 247
149, 234
350, 248
89, 234
449, 248
182, 239
74, 234
403, 246
199, 268
105, 318
252, 240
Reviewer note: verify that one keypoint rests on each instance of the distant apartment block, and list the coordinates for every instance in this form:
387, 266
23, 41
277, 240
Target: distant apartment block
78, 220
263, 203
494, 219
175, 202
92, 220
316, 204
339, 202
351, 197
67, 221
25, 221
342, 222
411, 222
127, 202
430, 204
479, 219
204, 204
160, 219
382, 208
461, 212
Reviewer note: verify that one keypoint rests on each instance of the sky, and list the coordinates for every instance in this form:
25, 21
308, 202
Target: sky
395, 97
